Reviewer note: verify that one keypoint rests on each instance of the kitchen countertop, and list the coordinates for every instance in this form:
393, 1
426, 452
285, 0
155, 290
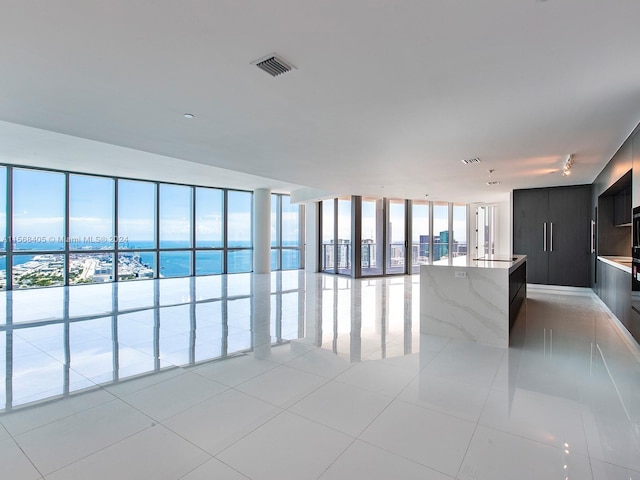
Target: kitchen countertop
507, 262
621, 263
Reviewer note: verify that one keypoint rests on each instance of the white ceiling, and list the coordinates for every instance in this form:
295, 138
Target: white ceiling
387, 98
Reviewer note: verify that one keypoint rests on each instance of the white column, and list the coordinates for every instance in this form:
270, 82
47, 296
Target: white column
311, 237
261, 315
262, 230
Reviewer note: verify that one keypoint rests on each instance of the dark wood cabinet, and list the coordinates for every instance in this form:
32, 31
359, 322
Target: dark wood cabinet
614, 289
635, 155
552, 226
622, 207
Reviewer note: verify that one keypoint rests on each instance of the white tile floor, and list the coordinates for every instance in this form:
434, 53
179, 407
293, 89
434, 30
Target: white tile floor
295, 376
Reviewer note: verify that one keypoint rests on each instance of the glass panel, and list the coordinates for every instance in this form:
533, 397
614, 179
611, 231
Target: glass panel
420, 229
459, 228
136, 266
239, 221
31, 271
91, 209
175, 264
38, 210
274, 259
3, 209
396, 237
328, 234
137, 214
290, 259
175, 216
275, 218
344, 236
440, 231
3, 272
90, 212
372, 246
239, 261
209, 213
290, 223
208, 262
90, 268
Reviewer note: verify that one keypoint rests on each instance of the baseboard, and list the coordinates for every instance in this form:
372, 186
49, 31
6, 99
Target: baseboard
560, 289
632, 343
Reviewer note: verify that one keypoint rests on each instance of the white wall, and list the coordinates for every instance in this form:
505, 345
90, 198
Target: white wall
503, 245
503, 237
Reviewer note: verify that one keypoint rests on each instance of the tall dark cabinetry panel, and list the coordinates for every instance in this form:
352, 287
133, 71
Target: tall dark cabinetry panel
552, 227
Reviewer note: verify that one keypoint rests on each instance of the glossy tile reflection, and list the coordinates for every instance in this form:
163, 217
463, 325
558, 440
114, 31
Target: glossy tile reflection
58, 341
294, 375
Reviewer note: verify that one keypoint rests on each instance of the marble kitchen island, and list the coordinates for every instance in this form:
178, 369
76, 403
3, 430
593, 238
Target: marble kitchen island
473, 299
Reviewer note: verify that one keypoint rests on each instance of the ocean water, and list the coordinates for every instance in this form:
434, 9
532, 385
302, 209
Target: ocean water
172, 264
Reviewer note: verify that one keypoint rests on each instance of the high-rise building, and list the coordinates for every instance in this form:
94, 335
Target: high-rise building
424, 245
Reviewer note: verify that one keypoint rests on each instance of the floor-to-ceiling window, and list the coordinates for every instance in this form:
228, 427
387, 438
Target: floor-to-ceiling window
286, 234
91, 229
38, 222
396, 237
239, 233
328, 248
292, 234
372, 234
420, 234
276, 236
3, 228
440, 231
176, 230
336, 236
137, 224
459, 230
62, 228
344, 240
209, 230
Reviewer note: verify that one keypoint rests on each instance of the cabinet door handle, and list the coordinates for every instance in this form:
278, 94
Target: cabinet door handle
551, 239
593, 231
544, 237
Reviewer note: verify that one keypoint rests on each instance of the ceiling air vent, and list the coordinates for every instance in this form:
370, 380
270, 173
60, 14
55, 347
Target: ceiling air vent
469, 161
494, 182
273, 64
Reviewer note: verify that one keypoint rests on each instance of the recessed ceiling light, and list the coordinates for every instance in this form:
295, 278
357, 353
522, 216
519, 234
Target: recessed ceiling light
470, 161
189, 115
566, 165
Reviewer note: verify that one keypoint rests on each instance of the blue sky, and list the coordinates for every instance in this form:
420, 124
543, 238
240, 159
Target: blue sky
39, 207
